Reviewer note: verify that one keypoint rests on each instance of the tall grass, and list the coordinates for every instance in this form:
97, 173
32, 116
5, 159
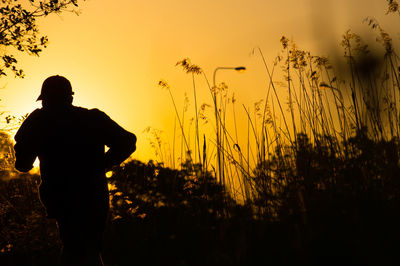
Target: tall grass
321, 107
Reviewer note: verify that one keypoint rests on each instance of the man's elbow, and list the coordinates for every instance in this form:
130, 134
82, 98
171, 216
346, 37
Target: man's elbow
132, 142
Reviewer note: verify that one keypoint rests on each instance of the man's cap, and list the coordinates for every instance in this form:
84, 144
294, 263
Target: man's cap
55, 87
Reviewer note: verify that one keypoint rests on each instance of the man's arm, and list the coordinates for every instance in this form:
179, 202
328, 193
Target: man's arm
120, 150
26, 143
121, 143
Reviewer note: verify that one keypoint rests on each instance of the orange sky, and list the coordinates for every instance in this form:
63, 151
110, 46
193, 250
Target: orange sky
115, 52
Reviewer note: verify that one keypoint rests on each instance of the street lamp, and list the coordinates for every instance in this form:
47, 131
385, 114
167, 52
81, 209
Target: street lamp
220, 161
238, 69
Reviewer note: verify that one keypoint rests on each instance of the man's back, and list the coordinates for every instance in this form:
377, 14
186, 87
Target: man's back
70, 144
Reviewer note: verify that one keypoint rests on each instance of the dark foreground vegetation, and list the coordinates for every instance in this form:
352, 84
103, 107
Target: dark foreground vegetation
331, 212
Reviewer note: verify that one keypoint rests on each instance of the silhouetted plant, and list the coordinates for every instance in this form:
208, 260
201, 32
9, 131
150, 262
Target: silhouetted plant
179, 215
27, 237
20, 31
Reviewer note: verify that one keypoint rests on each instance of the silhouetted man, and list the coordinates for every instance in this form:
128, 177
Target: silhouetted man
70, 144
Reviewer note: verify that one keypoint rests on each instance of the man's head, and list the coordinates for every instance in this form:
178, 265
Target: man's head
56, 91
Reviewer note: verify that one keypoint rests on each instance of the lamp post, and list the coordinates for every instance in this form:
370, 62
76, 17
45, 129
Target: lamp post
238, 69
220, 155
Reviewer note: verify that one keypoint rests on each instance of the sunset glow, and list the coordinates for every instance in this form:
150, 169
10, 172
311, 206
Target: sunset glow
115, 52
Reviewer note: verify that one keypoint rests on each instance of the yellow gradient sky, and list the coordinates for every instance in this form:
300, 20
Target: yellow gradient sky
115, 52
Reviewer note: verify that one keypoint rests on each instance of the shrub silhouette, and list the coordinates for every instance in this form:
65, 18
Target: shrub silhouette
169, 216
27, 237
314, 204
338, 203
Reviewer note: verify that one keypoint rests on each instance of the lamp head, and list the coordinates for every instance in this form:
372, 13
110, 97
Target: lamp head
240, 69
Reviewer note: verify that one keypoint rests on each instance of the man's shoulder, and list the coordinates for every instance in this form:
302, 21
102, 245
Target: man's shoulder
92, 114
94, 111
85, 110
30, 123
37, 113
